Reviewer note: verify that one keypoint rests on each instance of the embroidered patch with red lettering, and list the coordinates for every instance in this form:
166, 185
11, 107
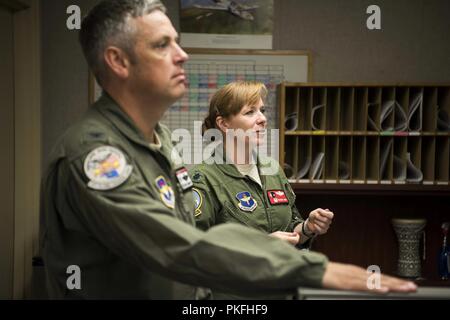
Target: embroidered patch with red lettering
277, 197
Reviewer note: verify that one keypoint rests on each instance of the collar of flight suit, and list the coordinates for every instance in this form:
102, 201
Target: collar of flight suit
111, 110
230, 169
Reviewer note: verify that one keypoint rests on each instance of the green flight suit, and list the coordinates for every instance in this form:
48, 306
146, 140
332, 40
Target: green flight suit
132, 238
218, 189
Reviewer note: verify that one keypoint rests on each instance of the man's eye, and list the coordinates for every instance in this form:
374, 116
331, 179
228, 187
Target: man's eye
161, 45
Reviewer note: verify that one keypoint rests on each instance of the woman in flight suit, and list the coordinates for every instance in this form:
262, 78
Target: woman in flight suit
239, 184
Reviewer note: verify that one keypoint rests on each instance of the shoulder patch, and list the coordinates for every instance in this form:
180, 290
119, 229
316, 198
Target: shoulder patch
165, 192
198, 201
107, 168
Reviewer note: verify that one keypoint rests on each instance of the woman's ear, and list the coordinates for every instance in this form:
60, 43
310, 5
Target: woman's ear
117, 61
221, 124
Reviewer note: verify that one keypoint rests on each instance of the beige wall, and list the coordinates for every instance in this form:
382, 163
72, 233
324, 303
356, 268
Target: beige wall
27, 122
7, 154
64, 73
20, 145
412, 46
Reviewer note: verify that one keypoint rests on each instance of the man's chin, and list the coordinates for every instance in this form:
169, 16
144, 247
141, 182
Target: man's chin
180, 90
177, 94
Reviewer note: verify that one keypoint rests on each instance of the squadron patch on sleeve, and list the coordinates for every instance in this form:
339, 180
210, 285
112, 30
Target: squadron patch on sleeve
107, 168
198, 201
165, 192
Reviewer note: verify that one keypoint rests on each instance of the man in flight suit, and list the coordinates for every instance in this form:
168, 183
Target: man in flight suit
115, 204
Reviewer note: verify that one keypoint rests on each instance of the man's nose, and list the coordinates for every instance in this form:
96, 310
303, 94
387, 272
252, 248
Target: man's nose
180, 55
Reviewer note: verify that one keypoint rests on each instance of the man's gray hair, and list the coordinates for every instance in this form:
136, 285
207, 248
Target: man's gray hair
108, 23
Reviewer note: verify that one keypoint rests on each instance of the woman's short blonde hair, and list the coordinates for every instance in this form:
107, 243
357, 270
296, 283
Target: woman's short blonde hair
231, 98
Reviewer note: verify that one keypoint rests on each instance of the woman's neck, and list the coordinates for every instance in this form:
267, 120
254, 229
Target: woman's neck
239, 156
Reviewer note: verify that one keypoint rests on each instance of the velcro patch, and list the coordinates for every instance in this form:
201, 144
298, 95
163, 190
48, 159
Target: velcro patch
198, 201
165, 192
277, 197
246, 201
107, 168
184, 179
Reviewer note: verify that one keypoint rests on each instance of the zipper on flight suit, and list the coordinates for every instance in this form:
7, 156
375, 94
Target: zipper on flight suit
264, 201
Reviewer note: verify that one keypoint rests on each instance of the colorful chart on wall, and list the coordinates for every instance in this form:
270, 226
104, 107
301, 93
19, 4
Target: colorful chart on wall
208, 69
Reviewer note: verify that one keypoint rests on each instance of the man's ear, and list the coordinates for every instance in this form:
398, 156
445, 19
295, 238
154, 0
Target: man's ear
221, 123
118, 61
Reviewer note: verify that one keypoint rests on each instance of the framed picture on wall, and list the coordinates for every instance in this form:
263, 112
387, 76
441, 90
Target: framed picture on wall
226, 24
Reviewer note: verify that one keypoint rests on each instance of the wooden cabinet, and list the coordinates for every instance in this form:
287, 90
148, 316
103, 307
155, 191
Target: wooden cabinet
370, 153
365, 134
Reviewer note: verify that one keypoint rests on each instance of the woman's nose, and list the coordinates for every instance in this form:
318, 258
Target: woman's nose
262, 118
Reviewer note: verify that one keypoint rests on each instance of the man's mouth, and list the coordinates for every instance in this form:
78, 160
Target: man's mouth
180, 76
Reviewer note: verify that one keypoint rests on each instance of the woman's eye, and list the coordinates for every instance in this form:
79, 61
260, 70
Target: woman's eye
263, 110
250, 112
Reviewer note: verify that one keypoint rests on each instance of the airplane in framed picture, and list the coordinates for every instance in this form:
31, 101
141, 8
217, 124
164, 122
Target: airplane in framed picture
234, 7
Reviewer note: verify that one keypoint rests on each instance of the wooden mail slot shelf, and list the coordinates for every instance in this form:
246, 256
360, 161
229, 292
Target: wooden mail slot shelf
365, 134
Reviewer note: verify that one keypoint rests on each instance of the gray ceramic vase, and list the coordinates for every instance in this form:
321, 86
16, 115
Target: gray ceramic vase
409, 232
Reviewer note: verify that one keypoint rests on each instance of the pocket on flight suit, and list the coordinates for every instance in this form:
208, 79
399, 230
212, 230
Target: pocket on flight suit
231, 211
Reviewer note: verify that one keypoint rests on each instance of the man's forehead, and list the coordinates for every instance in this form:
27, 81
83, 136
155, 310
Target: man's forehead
155, 24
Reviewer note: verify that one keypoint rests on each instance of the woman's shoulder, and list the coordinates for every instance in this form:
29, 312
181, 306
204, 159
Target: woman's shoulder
269, 166
204, 173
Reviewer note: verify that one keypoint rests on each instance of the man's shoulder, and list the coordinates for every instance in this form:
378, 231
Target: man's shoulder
83, 136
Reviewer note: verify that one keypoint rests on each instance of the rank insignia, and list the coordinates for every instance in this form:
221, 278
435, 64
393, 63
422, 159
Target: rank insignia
198, 201
107, 168
277, 197
197, 177
165, 192
184, 179
246, 201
